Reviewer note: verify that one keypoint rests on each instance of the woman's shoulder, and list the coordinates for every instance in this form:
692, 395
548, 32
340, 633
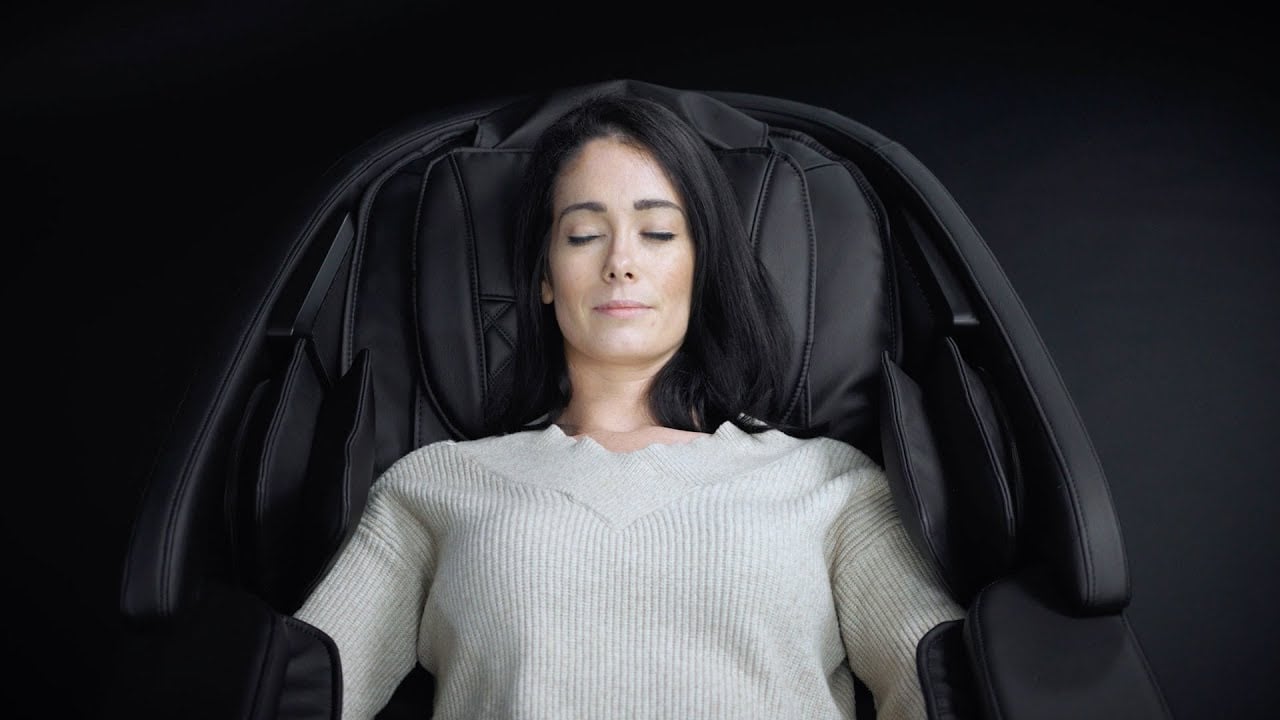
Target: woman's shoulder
450, 457
807, 459
816, 445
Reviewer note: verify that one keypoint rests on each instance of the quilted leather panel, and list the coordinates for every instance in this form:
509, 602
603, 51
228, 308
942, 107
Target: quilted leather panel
973, 450
917, 476
464, 289
773, 198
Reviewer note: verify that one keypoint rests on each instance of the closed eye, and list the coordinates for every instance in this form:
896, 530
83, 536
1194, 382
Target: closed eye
581, 239
659, 235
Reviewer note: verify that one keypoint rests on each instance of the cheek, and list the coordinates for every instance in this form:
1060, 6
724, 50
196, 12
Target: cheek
680, 277
557, 284
566, 290
564, 322
574, 328
565, 284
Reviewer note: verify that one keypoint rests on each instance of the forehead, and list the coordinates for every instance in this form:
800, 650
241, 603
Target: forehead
608, 167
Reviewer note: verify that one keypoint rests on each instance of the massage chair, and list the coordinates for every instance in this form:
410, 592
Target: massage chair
381, 320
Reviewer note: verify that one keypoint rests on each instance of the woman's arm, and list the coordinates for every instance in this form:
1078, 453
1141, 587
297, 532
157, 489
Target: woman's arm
887, 597
370, 601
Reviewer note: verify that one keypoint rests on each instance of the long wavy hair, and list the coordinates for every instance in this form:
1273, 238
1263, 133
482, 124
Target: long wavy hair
732, 362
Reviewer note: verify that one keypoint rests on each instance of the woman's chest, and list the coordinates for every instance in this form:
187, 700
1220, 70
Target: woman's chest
693, 552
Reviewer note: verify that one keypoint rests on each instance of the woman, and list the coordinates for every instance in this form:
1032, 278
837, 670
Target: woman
640, 541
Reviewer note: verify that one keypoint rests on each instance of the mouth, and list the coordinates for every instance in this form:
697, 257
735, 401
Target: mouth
622, 308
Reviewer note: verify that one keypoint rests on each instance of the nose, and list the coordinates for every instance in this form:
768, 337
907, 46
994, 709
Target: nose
619, 264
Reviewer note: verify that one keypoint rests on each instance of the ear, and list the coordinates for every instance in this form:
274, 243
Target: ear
547, 295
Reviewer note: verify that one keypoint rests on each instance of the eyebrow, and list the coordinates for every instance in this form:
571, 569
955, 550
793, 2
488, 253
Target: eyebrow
651, 204
639, 205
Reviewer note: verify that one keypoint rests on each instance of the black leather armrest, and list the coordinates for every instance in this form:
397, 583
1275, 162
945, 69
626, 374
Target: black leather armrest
232, 657
1032, 661
945, 677
313, 675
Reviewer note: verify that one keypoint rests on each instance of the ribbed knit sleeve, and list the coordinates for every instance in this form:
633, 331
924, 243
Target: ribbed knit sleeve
371, 599
887, 597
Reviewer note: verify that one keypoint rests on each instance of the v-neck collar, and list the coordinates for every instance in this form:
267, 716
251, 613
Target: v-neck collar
624, 486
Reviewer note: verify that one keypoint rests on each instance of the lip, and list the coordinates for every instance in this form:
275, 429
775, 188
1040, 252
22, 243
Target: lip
622, 308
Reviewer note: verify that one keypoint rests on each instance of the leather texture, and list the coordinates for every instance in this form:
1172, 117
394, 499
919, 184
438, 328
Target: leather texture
312, 686
945, 676
974, 449
916, 475
303, 469
1033, 660
339, 475
273, 476
945, 456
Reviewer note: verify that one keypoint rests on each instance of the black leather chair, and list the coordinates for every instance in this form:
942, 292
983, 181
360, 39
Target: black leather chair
381, 323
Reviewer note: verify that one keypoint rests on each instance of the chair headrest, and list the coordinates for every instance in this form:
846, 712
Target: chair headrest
517, 126
810, 214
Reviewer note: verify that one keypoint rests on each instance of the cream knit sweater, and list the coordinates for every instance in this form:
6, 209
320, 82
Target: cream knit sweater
540, 576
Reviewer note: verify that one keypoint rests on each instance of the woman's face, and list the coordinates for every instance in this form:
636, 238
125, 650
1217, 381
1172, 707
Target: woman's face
620, 259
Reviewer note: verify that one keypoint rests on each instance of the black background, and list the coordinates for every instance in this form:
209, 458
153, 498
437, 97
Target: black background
1124, 166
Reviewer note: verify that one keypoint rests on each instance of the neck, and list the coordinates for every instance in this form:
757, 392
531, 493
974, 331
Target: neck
608, 400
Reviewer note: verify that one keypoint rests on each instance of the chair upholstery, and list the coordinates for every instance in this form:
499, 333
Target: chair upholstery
386, 325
